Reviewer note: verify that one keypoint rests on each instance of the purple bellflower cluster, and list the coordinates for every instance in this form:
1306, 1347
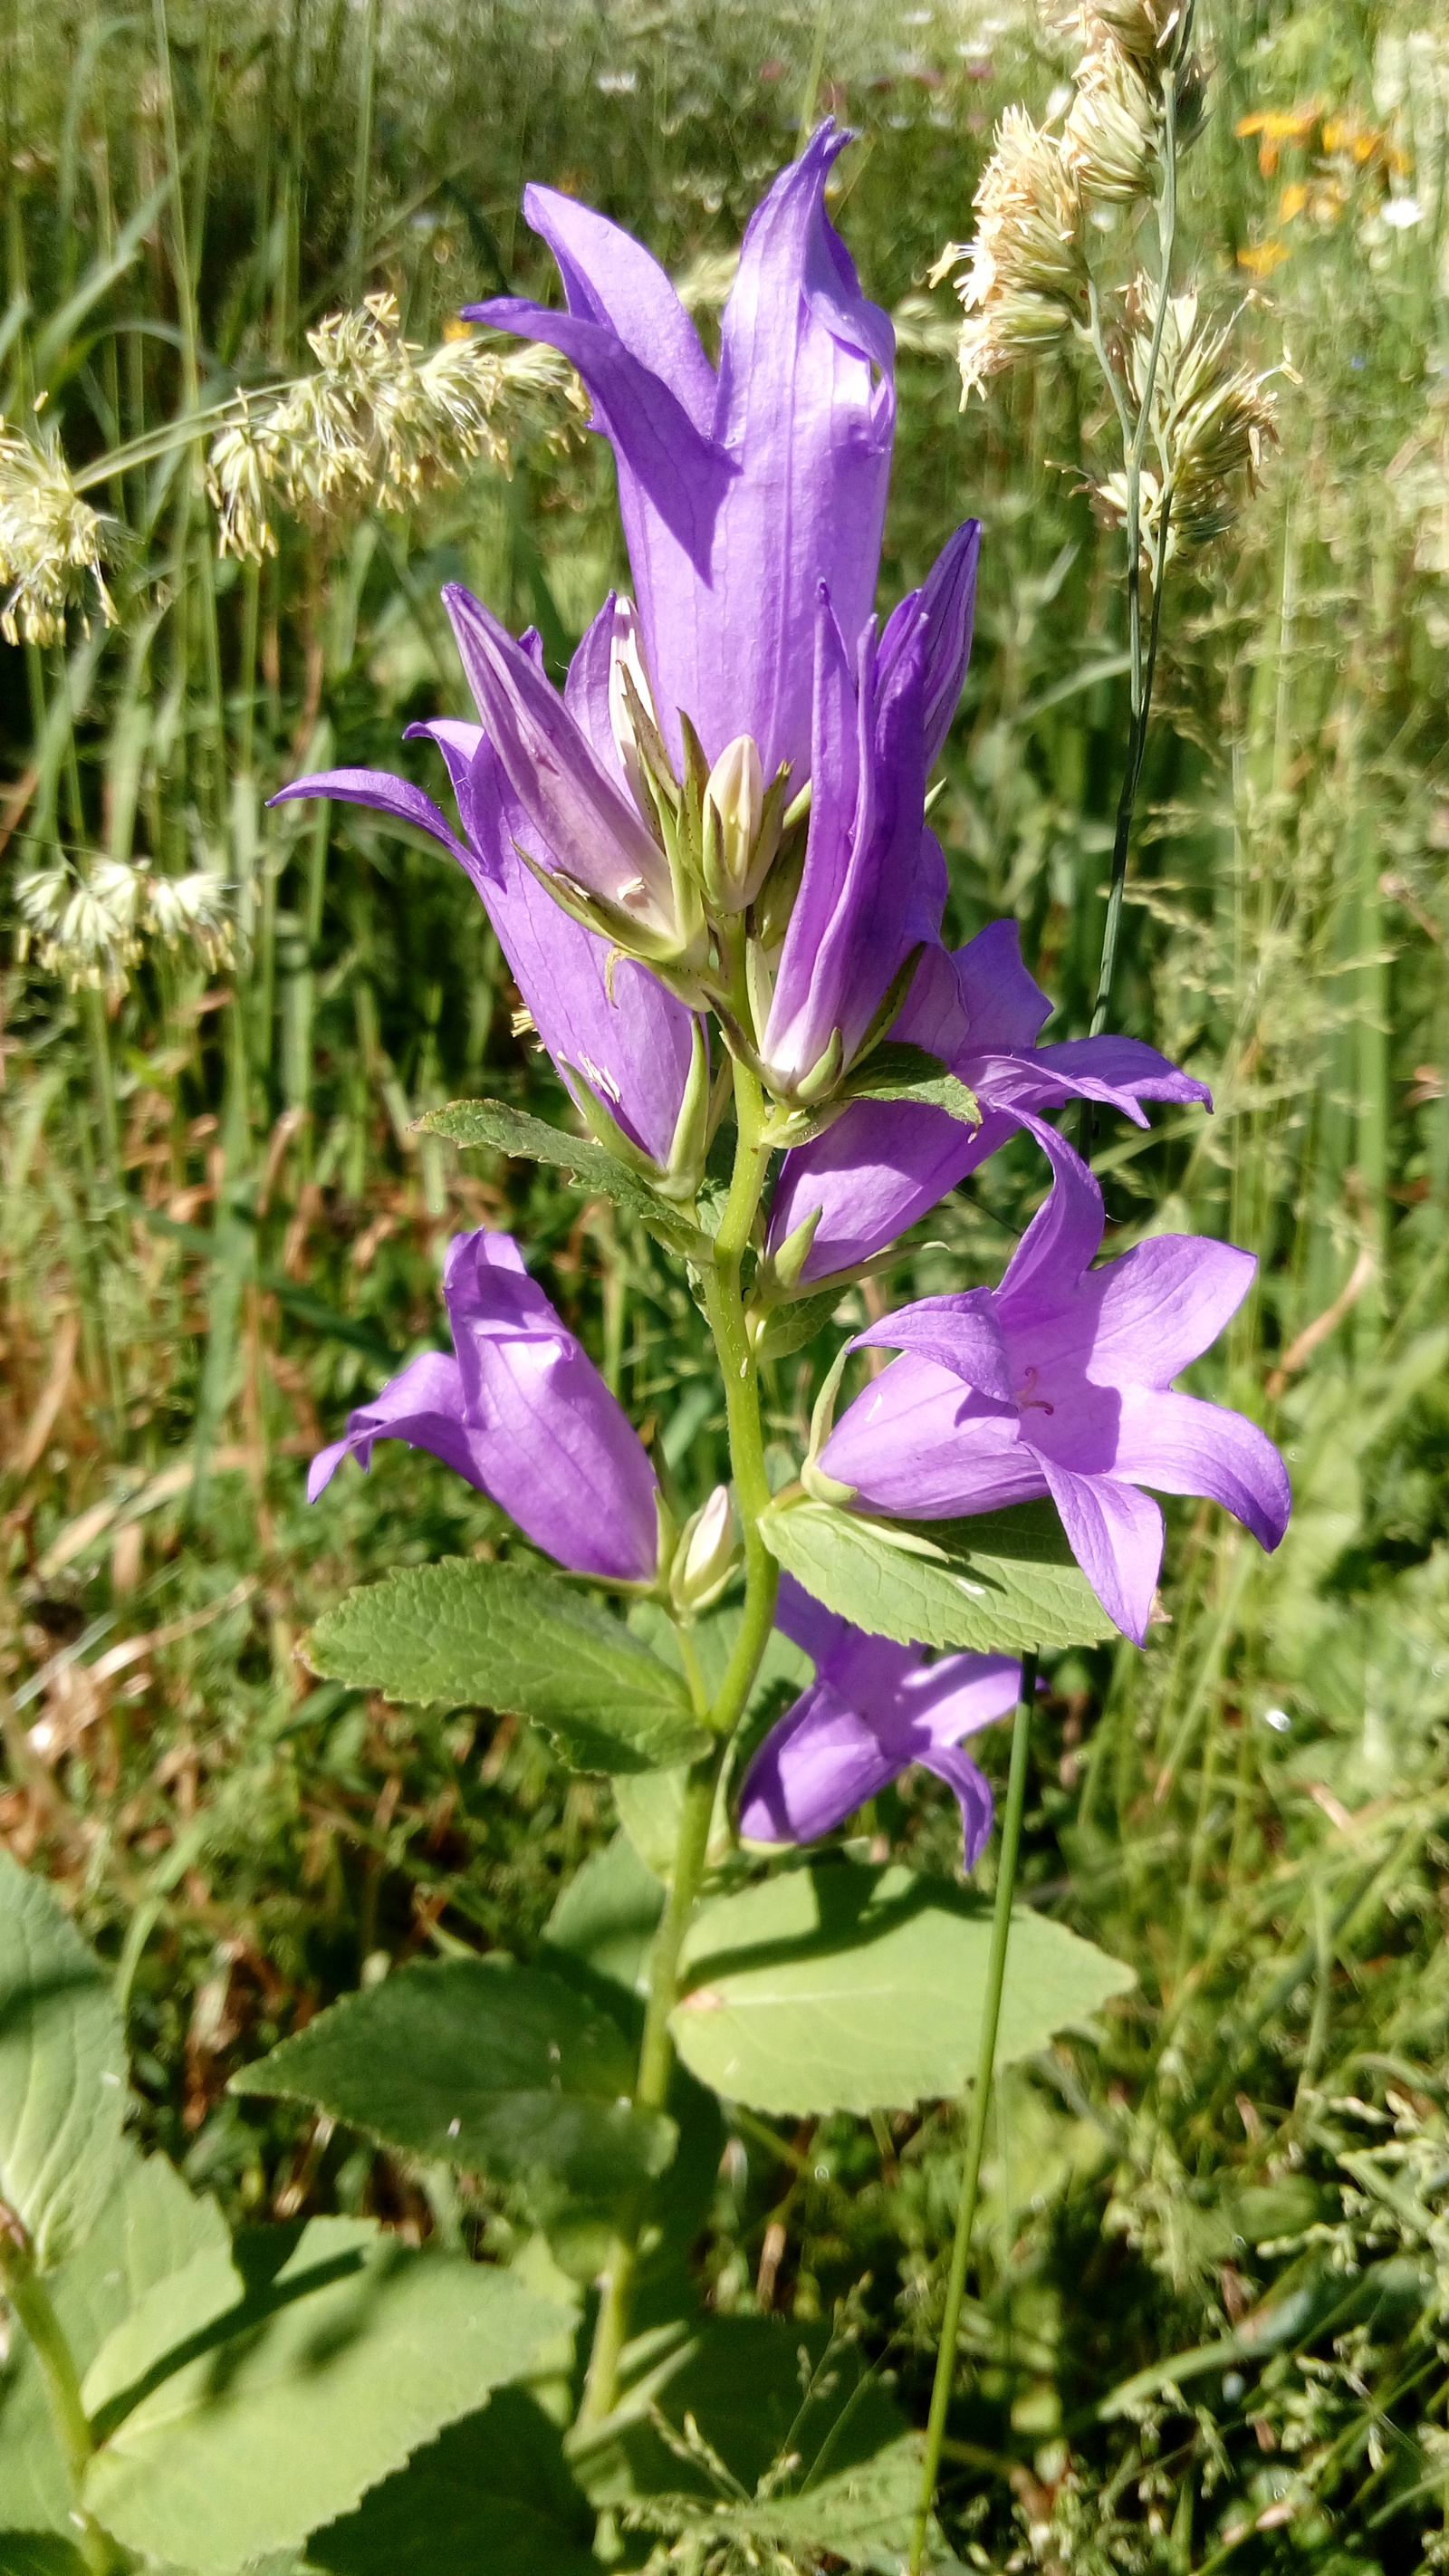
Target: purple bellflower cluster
723, 812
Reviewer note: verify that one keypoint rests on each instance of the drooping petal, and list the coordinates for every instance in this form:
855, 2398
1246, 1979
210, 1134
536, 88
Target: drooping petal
558, 1452
610, 278
806, 1622
958, 1332
424, 1406
973, 1794
624, 1034
1048, 1264
1003, 1006
1119, 1071
947, 601
1183, 1446
1115, 1534
814, 1769
917, 1444
396, 797
584, 820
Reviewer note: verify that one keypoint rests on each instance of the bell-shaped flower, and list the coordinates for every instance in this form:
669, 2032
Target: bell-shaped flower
884, 1164
740, 490
522, 1412
873, 1708
616, 1035
1059, 1383
874, 880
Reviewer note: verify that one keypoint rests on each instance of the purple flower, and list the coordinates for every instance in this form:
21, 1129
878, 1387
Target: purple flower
1060, 1382
873, 1708
886, 1163
874, 879
740, 491
616, 1033
523, 1413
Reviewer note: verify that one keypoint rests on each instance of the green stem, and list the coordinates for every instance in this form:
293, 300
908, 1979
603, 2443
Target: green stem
35, 2308
724, 1305
980, 2104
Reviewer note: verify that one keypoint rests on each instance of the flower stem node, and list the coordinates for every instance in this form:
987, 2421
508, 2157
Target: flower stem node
706, 1557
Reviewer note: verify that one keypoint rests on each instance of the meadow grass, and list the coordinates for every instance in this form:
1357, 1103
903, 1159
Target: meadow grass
1211, 2317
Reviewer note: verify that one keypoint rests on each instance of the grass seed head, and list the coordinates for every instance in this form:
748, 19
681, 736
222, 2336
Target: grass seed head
52, 543
1023, 274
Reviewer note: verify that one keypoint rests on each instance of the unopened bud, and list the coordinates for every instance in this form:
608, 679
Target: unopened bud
705, 1558
741, 825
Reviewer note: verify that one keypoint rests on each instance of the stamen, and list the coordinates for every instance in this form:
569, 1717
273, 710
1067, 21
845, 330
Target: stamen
1026, 1402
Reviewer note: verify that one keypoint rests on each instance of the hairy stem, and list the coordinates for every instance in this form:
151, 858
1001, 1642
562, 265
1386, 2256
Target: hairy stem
724, 1305
34, 2307
980, 2104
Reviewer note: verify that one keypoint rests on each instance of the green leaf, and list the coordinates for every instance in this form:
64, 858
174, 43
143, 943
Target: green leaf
493, 2496
849, 1989
359, 2349
862, 2515
500, 1637
789, 1327
478, 2064
173, 2312
532, 1140
150, 2227
895, 1071
1001, 1582
39, 2553
607, 1917
757, 2388
62, 2070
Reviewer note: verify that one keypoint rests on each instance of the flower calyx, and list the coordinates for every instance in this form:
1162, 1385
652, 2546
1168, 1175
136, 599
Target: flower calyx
705, 1558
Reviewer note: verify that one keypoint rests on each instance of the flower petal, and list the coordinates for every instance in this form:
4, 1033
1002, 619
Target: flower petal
1004, 1006
806, 1622
424, 1406
560, 1455
973, 1795
959, 1332
1183, 1446
947, 601
1049, 1262
917, 1444
880, 1167
610, 278
385, 794
822, 1761
1115, 1534
583, 818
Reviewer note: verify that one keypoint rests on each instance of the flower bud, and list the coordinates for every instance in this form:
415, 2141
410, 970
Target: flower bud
705, 1557
741, 826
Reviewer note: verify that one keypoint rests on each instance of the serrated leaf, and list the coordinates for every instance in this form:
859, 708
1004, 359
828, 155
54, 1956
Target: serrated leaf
895, 1071
849, 1989
254, 2443
1002, 1582
498, 1636
514, 1132
171, 2313
477, 2064
62, 2070
491, 2497
150, 2227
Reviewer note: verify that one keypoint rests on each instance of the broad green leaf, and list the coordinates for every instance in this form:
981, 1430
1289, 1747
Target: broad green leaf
608, 1915
39, 2553
493, 2496
477, 2064
861, 2516
757, 2388
1003, 1582
531, 1140
789, 1327
495, 1635
849, 1989
896, 1071
150, 2228
168, 2315
359, 2350
62, 2070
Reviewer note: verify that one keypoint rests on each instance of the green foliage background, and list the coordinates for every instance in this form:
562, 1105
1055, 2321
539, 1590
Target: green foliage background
218, 1227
